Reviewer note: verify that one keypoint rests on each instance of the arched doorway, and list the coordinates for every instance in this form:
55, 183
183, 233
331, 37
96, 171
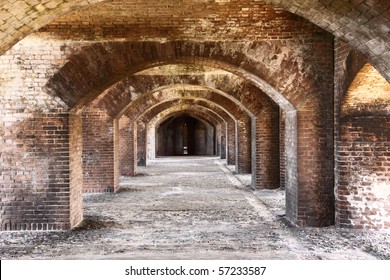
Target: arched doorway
185, 135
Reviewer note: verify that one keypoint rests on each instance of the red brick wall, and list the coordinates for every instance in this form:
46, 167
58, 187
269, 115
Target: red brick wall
363, 153
127, 138
231, 150
348, 63
299, 68
243, 145
282, 149
267, 150
40, 163
141, 143
75, 169
98, 151
363, 182
355, 21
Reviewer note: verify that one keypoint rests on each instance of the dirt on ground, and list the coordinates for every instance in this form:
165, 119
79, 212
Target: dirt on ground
192, 208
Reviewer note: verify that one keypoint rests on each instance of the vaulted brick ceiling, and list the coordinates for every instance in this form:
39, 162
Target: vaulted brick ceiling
364, 24
172, 20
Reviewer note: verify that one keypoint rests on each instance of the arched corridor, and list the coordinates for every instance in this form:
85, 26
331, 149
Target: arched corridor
291, 96
185, 135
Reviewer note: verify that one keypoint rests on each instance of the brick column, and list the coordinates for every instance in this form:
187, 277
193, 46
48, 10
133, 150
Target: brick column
231, 142
75, 169
141, 143
223, 141
127, 146
243, 145
266, 173
218, 141
310, 190
98, 151
40, 170
282, 149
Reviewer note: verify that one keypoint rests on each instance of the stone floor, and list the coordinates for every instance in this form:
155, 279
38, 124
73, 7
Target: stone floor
191, 208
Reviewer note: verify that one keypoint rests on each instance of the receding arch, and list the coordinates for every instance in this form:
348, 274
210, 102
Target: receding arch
112, 70
178, 56
135, 86
152, 119
243, 126
183, 134
185, 89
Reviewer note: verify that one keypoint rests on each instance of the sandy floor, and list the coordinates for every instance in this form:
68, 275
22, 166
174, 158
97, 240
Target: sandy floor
191, 208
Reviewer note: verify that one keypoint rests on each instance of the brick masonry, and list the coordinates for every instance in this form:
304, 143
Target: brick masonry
40, 145
362, 153
98, 151
51, 90
170, 109
363, 24
72, 92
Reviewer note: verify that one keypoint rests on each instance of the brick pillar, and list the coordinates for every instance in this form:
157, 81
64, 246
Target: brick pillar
243, 145
141, 143
117, 171
40, 170
127, 146
266, 173
76, 169
223, 140
362, 185
218, 140
282, 149
151, 142
98, 151
231, 142
310, 188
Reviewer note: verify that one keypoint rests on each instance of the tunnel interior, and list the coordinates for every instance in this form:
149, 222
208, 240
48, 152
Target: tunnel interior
185, 135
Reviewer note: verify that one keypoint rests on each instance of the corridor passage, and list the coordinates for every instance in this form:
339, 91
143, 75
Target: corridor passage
191, 208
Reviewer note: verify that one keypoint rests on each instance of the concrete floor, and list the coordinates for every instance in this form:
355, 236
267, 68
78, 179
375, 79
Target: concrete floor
191, 208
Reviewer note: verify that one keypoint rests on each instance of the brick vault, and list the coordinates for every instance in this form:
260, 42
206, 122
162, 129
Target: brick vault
295, 93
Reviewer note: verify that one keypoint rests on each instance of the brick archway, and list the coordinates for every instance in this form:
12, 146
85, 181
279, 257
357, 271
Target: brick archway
185, 134
151, 120
74, 72
360, 24
362, 183
220, 104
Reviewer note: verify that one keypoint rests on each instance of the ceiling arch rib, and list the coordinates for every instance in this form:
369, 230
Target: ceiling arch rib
203, 97
148, 123
172, 107
116, 62
363, 24
185, 89
160, 113
116, 98
191, 113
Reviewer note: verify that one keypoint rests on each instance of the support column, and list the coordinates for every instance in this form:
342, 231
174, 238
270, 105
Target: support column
310, 189
40, 170
75, 169
218, 141
141, 143
127, 146
266, 174
243, 145
223, 140
282, 149
231, 140
98, 151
